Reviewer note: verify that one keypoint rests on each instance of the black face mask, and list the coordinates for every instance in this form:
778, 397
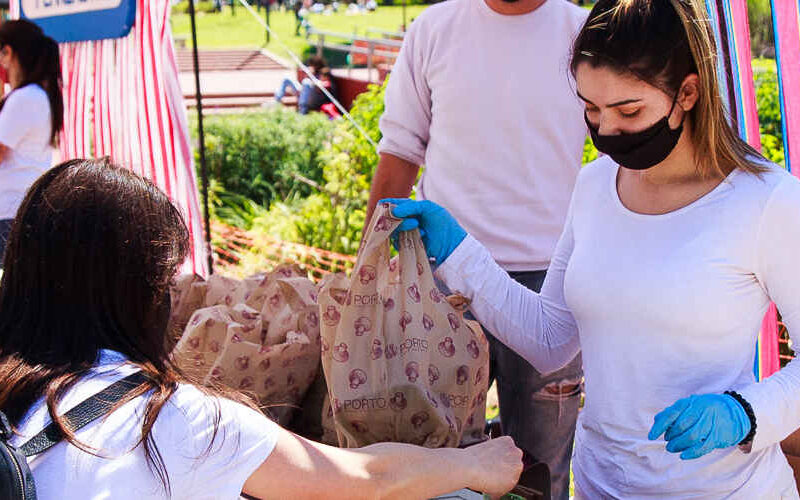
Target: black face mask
639, 150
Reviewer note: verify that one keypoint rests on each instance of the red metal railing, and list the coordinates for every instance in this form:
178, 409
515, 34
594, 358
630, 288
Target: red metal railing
230, 243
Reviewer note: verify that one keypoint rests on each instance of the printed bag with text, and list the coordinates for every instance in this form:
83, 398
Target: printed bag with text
400, 361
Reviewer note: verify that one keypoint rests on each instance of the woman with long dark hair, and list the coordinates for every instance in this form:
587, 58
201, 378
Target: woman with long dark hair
675, 243
84, 302
31, 115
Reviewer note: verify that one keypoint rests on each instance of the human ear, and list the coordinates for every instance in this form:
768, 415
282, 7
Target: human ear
689, 92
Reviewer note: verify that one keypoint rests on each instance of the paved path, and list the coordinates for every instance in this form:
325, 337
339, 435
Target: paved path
226, 60
232, 79
235, 82
236, 79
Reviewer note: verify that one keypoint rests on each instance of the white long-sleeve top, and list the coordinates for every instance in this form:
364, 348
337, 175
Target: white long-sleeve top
486, 102
663, 307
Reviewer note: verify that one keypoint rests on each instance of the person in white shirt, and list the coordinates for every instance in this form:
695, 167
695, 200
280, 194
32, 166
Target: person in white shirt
31, 115
481, 95
86, 302
675, 243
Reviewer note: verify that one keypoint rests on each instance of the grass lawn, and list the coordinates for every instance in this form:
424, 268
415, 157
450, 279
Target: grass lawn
240, 30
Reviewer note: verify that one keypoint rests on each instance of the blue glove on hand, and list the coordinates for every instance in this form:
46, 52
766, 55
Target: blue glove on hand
440, 232
697, 425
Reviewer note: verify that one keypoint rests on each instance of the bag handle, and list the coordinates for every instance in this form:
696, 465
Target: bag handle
87, 411
380, 228
377, 237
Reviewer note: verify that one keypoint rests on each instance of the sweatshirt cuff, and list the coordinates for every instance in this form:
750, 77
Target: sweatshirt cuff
764, 412
467, 254
394, 149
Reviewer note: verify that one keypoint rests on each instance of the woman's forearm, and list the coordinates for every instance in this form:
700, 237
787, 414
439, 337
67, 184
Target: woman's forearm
298, 466
538, 327
406, 472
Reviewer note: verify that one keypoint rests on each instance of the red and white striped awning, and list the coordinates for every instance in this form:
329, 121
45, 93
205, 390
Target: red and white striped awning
122, 99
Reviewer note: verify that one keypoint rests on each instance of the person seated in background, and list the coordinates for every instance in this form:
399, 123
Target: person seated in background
316, 99
84, 302
299, 86
310, 97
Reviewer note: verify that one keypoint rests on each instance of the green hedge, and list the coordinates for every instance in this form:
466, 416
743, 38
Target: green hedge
266, 156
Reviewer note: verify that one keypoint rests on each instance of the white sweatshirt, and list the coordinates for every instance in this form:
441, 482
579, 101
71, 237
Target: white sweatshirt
25, 129
486, 103
662, 307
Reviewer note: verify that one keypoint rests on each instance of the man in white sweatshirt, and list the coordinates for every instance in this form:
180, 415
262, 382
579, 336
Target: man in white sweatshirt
481, 95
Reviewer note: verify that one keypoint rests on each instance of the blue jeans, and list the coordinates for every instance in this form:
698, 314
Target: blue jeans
304, 90
5, 229
538, 411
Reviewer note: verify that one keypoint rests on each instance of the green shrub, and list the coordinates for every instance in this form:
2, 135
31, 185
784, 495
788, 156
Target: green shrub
232, 208
333, 217
769, 116
769, 107
772, 149
266, 156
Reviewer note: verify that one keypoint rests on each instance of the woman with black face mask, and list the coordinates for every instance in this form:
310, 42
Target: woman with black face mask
675, 243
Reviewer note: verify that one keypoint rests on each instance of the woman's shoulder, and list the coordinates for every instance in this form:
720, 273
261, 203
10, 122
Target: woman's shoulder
762, 187
189, 406
219, 442
30, 101
29, 94
193, 408
191, 412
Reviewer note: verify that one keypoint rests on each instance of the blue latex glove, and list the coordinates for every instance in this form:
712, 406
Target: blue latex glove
440, 232
697, 425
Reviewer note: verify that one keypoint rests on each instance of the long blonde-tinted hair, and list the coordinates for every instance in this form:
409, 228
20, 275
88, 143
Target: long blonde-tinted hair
662, 42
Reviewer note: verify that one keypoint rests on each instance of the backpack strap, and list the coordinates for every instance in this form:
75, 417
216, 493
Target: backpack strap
87, 411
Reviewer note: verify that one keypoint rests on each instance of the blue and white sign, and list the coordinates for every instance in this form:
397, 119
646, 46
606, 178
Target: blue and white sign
81, 20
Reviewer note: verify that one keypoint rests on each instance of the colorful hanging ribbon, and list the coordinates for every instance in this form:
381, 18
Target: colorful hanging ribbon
732, 31
786, 22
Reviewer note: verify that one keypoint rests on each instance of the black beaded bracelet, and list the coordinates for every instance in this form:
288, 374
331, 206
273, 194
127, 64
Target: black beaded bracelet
750, 414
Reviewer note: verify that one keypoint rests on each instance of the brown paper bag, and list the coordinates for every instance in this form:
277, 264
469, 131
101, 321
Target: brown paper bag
255, 290
400, 361
226, 344
187, 295
220, 290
